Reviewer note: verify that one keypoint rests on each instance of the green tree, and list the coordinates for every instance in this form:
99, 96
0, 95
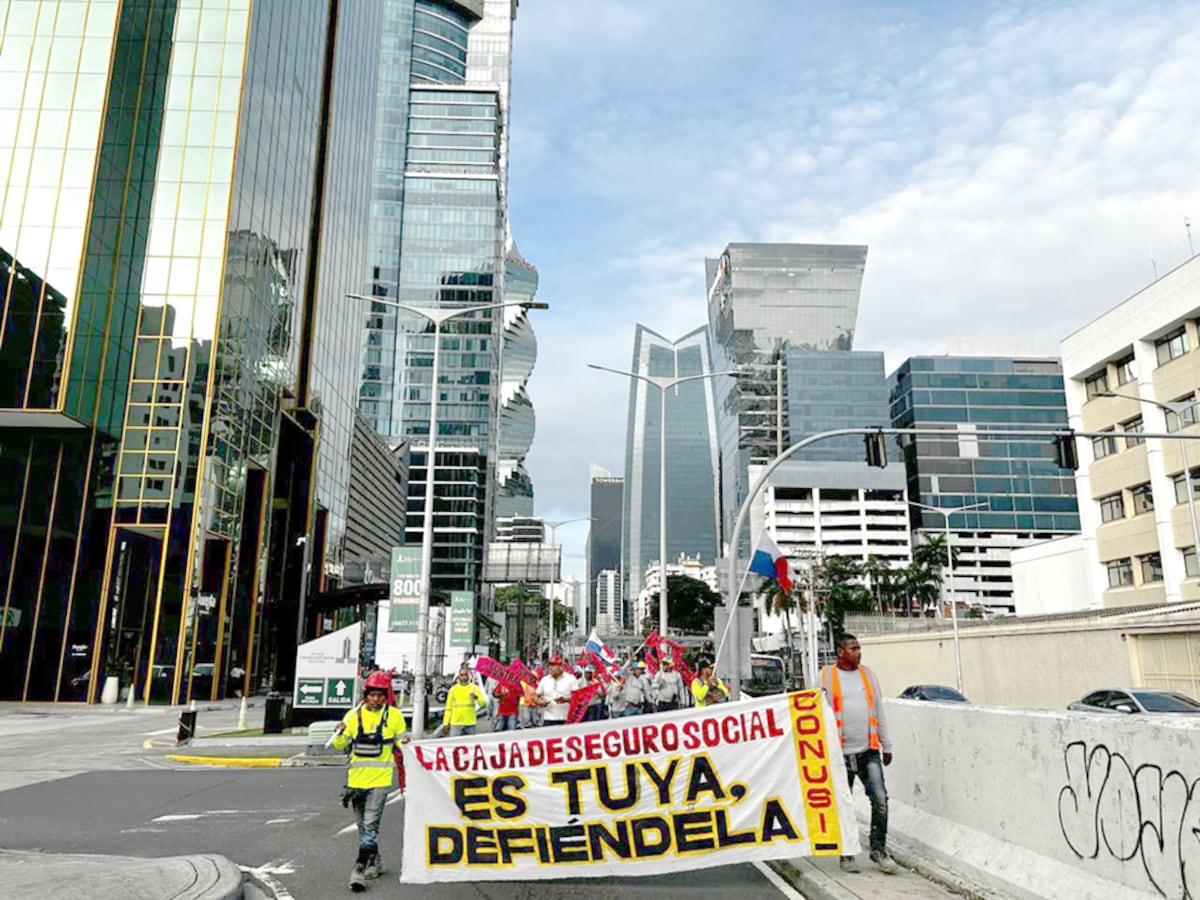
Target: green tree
839, 584
887, 585
690, 605
923, 577
564, 616
783, 604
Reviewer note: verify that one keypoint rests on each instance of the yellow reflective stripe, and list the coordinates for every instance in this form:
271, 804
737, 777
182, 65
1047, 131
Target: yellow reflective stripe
371, 763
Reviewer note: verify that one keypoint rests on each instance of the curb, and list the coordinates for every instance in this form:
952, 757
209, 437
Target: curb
265, 885
810, 881
243, 761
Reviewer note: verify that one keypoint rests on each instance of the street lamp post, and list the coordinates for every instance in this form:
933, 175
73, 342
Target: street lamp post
946, 513
1177, 408
438, 316
553, 525
663, 383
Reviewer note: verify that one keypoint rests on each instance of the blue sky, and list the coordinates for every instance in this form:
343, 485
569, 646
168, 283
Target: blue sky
1013, 168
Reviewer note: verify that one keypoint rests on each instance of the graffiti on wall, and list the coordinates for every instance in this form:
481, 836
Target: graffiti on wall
1107, 808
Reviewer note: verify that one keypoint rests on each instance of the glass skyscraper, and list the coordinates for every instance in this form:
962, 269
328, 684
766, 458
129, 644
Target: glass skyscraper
181, 191
691, 450
1028, 497
764, 300
439, 233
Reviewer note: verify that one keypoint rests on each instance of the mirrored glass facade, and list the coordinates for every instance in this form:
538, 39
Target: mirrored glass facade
161, 446
691, 455
438, 233
1028, 497
763, 300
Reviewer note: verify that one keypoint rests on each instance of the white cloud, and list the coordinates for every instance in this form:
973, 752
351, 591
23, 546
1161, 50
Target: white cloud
1009, 167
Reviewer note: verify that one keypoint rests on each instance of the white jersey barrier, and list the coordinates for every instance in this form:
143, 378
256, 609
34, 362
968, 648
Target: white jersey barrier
707, 786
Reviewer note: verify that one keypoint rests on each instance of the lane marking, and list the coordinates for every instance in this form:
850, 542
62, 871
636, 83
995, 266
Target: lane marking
181, 817
778, 882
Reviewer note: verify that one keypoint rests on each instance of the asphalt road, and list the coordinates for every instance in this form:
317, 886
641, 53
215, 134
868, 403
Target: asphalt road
85, 784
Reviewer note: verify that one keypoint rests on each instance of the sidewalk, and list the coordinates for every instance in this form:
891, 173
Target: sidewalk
86, 877
919, 878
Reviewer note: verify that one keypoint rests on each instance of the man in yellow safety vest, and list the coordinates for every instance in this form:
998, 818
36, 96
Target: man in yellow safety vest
463, 702
371, 731
853, 691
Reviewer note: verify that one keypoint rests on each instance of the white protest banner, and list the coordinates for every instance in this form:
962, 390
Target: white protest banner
708, 786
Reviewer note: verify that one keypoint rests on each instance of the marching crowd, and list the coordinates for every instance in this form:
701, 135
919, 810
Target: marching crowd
625, 689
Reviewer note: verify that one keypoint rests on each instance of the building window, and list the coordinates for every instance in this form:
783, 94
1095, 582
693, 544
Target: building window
1181, 485
1112, 507
1120, 572
1151, 565
1171, 346
1189, 562
1125, 373
1096, 383
1134, 424
1143, 498
1185, 417
1104, 446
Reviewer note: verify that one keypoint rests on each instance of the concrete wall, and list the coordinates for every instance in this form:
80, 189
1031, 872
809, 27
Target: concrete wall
1038, 667
1076, 806
1051, 577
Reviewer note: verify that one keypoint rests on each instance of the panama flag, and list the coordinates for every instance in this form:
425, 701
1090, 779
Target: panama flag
597, 646
769, 561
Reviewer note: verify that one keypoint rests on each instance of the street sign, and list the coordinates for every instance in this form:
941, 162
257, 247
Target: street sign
461, 630
339, 692
327, 669
310, 692
404, 594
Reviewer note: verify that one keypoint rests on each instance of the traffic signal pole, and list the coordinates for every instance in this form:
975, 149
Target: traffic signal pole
1060, 436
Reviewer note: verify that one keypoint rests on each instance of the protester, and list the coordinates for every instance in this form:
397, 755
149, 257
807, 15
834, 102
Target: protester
508, 707
529, 714
371, 731
632, 692
464, 700
667, 686
554, 693
707, 688
853, 691
595, 707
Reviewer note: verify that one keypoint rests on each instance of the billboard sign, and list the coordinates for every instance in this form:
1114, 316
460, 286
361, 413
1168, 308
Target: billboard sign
404, 593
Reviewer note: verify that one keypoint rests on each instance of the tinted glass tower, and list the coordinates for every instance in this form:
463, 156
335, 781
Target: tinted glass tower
1028, 497
691, 455
438, 239
175, 241
764, 300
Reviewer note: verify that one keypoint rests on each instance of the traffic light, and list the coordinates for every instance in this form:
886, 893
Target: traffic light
876, 442
1064, 449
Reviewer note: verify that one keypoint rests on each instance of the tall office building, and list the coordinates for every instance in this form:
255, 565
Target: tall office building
1027, 497
604, 537
438, 240
517, 422
825, 500
176, 242
763, 300
691, 455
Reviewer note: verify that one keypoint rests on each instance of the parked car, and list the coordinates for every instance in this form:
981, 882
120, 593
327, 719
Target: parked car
933, 692
1137, 700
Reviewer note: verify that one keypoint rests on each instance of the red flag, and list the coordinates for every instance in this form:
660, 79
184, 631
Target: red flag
490, 668
652, 661
652, 639
520, 671
580, 697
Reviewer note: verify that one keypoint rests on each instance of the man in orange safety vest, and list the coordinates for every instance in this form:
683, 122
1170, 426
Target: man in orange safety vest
853, 692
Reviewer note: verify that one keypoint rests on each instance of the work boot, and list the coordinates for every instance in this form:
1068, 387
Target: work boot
885, 863
850, 864
374, 866
358, 879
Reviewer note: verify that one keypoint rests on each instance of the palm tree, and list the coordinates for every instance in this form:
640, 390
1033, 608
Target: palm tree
924, 576
782, 603
839, 580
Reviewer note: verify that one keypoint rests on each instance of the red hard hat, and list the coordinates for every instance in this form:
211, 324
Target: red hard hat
378, 681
